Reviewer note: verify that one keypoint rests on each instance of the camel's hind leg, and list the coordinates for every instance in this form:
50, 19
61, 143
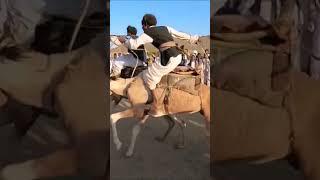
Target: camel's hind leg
172, 119
182, 125
113, 120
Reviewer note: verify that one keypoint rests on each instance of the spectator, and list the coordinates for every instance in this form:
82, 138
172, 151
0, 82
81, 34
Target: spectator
207, 53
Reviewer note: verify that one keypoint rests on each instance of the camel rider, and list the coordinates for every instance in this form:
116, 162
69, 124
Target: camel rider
170, 57
130, 59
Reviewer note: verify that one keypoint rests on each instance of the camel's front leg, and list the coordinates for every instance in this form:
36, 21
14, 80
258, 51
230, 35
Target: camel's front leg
135, 132
114, 118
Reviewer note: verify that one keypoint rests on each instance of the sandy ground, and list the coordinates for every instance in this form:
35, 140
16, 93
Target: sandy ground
155, 160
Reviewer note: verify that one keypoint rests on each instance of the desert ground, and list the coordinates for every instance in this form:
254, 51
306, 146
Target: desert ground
155, 160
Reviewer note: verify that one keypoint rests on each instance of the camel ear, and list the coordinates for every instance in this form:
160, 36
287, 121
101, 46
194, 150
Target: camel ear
3, 99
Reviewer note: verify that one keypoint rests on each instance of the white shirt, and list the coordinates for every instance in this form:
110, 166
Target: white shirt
144, 38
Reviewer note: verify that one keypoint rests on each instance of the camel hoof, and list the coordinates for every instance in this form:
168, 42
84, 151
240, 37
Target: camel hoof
118, 146
159, 139
179, 146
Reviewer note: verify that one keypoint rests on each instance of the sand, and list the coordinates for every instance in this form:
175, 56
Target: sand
155, 160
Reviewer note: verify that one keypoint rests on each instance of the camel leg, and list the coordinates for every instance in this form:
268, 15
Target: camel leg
181, 143
135, 131
114, 118
171, 124
60, 163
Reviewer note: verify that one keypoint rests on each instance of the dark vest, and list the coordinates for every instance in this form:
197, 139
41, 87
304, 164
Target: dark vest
160, 35
140, 52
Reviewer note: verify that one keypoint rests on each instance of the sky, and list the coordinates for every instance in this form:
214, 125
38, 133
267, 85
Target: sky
189, 16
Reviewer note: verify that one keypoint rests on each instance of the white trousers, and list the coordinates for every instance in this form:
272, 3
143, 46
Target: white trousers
152, 76
122, 61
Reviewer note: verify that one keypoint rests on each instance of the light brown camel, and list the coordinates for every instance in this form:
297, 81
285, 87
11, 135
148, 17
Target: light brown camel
80, 98
247, 130
178, 102
117, 95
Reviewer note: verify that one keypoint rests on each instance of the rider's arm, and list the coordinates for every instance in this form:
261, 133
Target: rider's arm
135, 43
183, 36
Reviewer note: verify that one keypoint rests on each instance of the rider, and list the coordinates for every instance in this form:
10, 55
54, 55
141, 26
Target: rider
170, 56
129, 60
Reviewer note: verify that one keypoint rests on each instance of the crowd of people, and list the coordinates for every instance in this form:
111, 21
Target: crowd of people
198, 60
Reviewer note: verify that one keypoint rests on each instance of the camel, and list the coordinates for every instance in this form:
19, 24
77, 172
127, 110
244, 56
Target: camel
76, 81
264, 110
138, 95
247, 130
117, 95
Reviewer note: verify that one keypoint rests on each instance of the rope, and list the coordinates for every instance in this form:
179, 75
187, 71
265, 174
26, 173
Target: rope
167, 91
137, 60
135, 67
76, 30
74, 35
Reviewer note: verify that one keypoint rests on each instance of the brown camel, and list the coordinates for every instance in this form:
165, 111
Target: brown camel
247, 130
170, 119
78, 85
178, 102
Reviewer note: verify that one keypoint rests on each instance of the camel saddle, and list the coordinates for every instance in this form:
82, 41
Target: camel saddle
182, 78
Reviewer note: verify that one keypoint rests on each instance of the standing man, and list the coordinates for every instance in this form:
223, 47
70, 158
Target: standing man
129, 60
170, 57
